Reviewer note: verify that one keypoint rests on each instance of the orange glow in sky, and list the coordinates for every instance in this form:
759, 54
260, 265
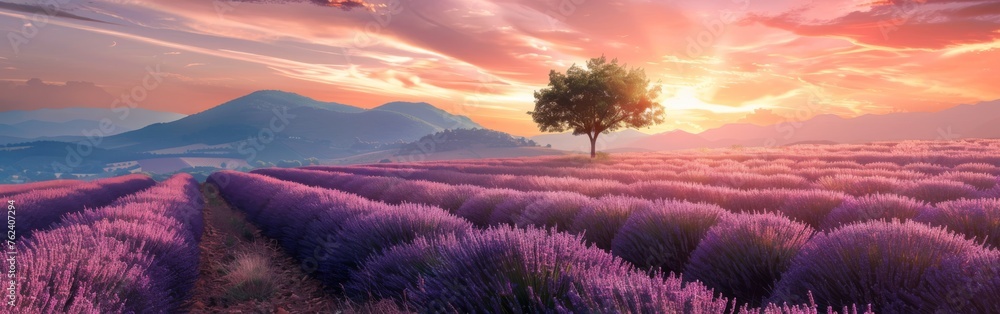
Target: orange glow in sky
719, 61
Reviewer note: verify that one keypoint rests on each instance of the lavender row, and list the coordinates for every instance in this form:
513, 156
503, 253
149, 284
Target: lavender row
437, 262
930, 190
824, 210
139, 255
744, 162
7, 190
626, 172
489, 174
757, 165
970, 183
809, 206
900, 267
963, 157
40, 209
743, 256
651, 235
330, 232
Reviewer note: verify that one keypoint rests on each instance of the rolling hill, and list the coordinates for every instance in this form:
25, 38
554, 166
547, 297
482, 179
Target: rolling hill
962, 121
430, 114
72, 122
579, 143
280, 125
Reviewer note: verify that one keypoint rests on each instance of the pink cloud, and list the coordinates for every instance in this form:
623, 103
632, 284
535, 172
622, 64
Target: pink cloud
901, 24
345, 5
496, 52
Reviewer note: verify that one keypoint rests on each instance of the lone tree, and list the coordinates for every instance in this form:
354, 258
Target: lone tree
602, 98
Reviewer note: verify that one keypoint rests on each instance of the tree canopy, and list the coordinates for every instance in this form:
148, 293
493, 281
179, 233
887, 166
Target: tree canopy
601, 98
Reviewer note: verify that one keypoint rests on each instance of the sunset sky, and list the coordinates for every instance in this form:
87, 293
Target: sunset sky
719, 61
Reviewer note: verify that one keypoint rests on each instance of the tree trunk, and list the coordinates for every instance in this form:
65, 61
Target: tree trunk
593, 146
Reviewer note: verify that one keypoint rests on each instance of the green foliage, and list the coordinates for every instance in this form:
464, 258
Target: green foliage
601, 98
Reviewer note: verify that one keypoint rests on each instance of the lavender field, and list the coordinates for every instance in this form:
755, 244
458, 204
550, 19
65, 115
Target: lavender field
500, 156
132, 250
893, 227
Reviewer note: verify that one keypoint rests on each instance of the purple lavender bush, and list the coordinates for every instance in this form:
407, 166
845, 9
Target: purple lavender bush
319, 235
368, 235
245, 191
291, 206
640, 293
928, 168
369, 187
978, 167
178, 197
509, 211
885, 264
76, 268
536, 271
38, 210
305, 220
13, 189
938, 190
690, 192
859, 186
978, 219
138, 255
315, 178
873, 207
480, 207
969, 283
167, 248
396, 272
600, 220
663, 237
745, 201
744, 255
811, 206
556, 210
981, 181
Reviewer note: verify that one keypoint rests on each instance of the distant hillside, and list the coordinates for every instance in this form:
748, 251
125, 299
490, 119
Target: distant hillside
431, 114
470, 153
74, 121
276, 125
580, 143
449, 140
10, 139
271, 99
53, 157
963, 121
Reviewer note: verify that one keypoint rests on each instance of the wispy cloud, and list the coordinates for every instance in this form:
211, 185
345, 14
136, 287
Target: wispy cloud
44, 10
901, 24
345, 5
484, 58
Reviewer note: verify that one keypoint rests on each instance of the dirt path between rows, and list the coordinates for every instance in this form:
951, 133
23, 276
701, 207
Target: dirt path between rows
242, 271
